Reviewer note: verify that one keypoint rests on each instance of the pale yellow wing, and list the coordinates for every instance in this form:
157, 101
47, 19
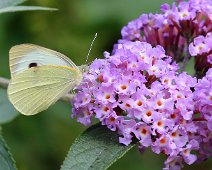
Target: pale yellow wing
24, 55
36, 88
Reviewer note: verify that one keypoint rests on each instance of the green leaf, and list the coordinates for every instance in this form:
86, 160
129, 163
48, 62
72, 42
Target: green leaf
6, 161
96, 148
8, 3
25, 8
7, 111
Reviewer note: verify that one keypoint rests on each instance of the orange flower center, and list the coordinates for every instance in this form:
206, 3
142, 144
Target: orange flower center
173, 116
149, 113
139, 103
144, 131
134, 65
107, 96
166, 81
105, 108
160, 123
123, 87
112, 119
186, 151
200, 48
174, 134
100, 78
159, 103
127, 105
179, 96
184, 15
163, 141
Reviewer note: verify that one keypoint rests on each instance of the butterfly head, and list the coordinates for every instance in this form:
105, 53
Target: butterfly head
84, 68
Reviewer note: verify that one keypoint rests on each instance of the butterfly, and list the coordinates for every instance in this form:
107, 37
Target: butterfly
39, 77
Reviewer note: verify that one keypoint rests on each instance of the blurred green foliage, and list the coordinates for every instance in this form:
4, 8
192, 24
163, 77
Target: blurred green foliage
41, 142
7, 111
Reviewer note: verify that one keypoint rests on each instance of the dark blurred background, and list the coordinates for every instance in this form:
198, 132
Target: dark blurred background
41, 142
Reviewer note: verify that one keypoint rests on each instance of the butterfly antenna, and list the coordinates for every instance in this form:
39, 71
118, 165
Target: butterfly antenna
90, 48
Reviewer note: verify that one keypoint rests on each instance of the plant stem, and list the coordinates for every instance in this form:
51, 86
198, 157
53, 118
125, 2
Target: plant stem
4, 82
186, 58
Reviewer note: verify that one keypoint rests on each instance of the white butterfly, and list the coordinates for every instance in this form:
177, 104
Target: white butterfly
39, 77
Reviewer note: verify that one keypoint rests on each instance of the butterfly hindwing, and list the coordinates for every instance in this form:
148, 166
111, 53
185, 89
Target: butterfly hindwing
35, 89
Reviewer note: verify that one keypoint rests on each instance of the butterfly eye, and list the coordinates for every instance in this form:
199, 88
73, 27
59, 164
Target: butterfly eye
33, 65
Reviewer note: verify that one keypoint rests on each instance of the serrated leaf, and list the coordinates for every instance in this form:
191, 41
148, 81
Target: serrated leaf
25, 8
7, 111
8, 3
6, 161
96, 148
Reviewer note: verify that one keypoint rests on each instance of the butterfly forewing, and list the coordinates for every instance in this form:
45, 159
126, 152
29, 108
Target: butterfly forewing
24, 56
36, 88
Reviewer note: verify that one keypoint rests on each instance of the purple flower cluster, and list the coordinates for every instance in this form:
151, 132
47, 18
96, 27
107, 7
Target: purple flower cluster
138, 93
201, 45
201, 48
203, 116
173, 28
203, 98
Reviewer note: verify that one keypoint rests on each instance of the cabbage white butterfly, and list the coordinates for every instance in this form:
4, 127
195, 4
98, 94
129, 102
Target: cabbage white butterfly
39, 77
